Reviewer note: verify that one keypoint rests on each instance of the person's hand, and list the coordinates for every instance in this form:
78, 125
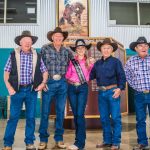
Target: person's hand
91, 60
40, 87
45, 88
11, 91
117, 93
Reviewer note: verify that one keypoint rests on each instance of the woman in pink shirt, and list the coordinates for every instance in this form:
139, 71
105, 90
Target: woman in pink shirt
78, 76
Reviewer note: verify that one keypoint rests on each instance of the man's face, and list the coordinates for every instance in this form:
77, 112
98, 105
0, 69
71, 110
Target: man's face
80, 50
142, 49
57, 38
106, 50
26, 44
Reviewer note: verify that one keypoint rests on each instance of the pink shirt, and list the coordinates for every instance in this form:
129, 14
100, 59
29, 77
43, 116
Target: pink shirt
71, 73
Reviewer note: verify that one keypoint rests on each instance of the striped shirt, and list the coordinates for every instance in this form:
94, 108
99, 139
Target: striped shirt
56, 62
25, 67
137, 72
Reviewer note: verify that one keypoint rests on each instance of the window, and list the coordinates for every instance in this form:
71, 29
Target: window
18, 11
144, 13
129, 13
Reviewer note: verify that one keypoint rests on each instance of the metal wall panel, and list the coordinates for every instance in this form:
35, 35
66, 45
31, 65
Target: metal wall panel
98, 25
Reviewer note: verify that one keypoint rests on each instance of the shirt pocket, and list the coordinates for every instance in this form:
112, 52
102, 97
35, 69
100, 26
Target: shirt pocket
64, 60
51, 60
109, 72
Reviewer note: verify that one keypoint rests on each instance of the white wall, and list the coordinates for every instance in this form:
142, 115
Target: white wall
98, 25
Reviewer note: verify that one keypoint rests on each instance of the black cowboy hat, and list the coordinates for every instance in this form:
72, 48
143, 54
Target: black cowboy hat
109, 42
25, 34
140, 40
80, 42
56, 30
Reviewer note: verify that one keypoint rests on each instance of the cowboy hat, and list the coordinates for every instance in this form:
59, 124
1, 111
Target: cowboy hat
25, 34
80, 42
109, 42
56, 30
140, 40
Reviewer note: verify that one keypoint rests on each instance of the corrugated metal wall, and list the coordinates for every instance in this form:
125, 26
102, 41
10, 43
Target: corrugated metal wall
98, 25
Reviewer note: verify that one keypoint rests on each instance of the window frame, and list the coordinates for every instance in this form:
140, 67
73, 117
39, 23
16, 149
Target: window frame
15, 24
138, 13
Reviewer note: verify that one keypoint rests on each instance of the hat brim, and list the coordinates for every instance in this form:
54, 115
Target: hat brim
86, 46
100, 44
134, 44
18, 38
50, 34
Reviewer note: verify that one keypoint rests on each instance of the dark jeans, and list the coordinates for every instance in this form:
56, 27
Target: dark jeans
30, 98
142, 104
57, 90
78, 99
108, 106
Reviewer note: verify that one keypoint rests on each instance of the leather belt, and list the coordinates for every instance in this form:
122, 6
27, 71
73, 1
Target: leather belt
75, 83
146, 91
104, 88
25, 85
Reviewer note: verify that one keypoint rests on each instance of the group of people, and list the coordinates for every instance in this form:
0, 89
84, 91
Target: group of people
58, 73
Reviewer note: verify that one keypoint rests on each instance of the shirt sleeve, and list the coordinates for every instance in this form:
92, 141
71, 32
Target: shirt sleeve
129, 73
93, 73
43, 67
43, 54
121, 76
8, 65
69, 70
70, 55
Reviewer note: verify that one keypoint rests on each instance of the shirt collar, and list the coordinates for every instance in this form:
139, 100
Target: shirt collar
106, 58
22, 52
52, 46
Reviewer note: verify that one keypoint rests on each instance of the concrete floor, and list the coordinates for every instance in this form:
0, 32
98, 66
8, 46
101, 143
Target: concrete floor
93, 136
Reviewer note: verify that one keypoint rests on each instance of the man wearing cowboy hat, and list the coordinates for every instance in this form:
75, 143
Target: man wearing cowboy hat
137, 70
56, 58
110, 76
24, 75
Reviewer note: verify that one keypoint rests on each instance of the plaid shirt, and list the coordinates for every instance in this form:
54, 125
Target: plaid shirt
56, 62
137, 72
25, 67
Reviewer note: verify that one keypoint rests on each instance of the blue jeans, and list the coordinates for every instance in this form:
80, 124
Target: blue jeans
78, 98
29, 97
58, 91
142, 102
108, 106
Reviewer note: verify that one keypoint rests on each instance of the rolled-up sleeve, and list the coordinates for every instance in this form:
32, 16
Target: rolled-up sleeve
8, 65
43, 67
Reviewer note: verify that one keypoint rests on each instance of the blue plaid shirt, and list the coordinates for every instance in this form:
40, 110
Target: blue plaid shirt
56, 62
25, 67
137, 72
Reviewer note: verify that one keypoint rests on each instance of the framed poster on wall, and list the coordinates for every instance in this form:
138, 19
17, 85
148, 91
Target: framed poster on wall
73, 16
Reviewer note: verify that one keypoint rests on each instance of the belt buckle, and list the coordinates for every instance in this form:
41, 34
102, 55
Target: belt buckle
77, 83
146, 91
56, 77
102, 88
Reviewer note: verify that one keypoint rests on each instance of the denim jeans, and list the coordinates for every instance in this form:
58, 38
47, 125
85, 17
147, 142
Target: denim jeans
29, 97
108, 106
58, 91
78, 98
142, 104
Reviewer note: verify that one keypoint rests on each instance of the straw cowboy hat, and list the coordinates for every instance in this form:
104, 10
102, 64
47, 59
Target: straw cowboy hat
56, 30
25, 34
109, 42
80, 42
